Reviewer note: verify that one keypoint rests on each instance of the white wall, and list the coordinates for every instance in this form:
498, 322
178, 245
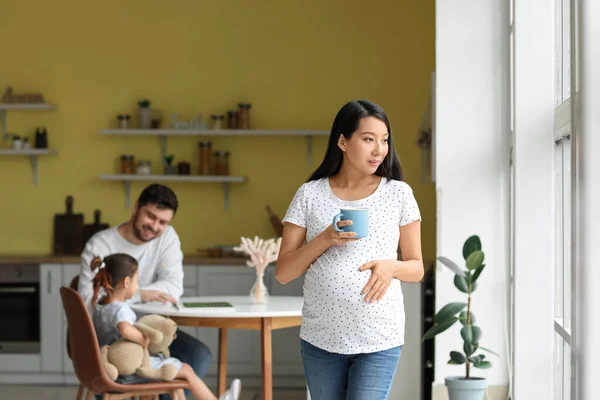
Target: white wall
472, 166
534, 199
407, 381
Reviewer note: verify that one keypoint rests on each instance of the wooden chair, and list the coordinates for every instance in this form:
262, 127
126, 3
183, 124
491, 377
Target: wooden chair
84, 351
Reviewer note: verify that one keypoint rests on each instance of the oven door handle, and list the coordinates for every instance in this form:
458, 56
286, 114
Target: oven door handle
17, 290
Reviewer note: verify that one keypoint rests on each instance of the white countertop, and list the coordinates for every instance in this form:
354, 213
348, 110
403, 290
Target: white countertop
278, 306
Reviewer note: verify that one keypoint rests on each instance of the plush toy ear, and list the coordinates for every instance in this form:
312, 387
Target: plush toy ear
154, 335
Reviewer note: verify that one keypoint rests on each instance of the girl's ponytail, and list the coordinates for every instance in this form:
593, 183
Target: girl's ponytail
101, 280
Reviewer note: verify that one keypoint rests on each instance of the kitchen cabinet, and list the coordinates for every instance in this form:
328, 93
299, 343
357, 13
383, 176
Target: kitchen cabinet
52, 339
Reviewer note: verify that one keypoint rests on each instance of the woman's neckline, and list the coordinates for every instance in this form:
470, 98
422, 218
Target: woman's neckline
328, 184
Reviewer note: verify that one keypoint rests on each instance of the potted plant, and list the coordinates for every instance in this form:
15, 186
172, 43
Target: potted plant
465, 387
170, 169
144, 114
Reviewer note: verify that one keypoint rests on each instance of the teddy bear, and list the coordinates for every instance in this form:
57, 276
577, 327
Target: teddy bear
127, 358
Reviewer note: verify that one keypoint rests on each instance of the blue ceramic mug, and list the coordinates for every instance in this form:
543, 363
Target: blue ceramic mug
359, 218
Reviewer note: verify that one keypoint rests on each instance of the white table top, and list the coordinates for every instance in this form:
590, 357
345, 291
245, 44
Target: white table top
278, 306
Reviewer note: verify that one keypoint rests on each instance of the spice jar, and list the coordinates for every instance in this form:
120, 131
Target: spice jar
183, 168
205, 158
231, 119
243, 116
123, 121
127, 164
144, 167
221, 162
17, 143
217, 121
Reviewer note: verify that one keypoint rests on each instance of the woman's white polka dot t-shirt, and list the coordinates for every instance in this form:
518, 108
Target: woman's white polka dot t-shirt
335, 316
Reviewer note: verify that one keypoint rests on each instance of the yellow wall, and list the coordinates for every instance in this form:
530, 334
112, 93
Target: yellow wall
296, 62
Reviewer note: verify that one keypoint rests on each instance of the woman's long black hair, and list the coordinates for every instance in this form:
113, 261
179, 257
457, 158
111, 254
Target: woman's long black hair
346, 123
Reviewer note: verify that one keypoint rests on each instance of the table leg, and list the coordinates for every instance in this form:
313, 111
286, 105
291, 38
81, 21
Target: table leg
267, 358
222, 373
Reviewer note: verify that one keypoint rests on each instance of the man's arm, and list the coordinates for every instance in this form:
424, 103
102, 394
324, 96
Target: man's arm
169, 270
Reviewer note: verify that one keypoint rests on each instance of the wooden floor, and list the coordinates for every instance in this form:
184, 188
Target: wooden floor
69, 392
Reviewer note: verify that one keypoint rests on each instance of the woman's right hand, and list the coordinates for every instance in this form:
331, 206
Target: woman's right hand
335, 238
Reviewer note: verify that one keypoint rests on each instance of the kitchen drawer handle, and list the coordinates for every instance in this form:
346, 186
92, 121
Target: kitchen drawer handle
17, 290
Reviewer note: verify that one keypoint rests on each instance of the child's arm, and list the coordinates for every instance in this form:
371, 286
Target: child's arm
132, 334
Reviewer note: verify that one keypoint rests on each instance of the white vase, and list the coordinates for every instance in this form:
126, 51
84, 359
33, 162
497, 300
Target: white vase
259, 293
144, 118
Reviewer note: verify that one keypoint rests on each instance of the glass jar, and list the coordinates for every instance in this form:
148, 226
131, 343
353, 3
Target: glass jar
144, 167
17, 143
221, 162
127, 164
205, 158
123, 121
231, 119
183, 168
243, 116
217, 121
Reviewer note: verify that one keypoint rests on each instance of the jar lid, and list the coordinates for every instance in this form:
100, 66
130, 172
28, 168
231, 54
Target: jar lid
205, 144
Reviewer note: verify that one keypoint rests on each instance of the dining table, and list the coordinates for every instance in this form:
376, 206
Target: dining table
234, 312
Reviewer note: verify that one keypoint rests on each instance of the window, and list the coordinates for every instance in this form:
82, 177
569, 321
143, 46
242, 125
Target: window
565, 127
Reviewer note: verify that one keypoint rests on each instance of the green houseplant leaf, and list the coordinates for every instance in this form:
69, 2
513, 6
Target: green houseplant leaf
439, 328
463, 318
461, 283
476, 334
477, 272
467, 333
448, 311
475, 259
490, 351
471, 244
451, 266
483, 365
457, 357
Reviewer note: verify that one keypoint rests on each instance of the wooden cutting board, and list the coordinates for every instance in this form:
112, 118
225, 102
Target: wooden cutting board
68, 231
90, 230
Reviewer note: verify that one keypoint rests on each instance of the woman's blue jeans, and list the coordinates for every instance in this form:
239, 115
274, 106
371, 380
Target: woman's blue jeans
331, 376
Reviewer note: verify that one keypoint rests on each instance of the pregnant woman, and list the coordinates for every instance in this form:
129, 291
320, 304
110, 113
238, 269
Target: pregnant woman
352, 328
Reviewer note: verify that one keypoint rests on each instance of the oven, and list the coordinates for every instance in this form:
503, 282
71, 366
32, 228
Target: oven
19, 309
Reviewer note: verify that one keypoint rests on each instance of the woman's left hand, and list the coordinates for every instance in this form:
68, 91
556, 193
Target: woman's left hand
381, 278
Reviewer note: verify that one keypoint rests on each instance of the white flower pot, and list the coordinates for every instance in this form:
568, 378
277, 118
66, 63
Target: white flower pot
460, 388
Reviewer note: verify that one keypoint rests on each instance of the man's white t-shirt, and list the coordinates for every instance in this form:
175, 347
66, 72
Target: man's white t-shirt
335, 316
160, 261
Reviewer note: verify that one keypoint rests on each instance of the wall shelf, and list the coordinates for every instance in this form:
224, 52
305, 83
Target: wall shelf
128, 178
33, 153
163, 133
4, 107
27, 106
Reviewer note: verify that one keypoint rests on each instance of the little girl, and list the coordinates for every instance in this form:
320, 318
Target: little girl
113, 318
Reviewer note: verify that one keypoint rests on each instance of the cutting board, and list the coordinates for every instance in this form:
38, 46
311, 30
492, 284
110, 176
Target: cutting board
68, 231
90, 230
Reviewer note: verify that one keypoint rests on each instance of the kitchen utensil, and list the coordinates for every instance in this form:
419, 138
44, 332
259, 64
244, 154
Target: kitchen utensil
68, 231
90, 230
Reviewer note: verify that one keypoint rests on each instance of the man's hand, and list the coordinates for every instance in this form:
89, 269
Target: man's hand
156, 295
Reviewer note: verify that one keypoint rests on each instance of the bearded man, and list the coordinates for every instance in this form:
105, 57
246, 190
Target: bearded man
153, 242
